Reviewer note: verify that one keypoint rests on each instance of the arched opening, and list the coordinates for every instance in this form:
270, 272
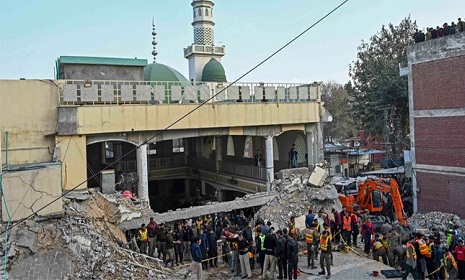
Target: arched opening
199, 12
206, 12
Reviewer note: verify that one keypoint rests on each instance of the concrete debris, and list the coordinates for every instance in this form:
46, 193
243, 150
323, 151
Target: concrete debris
437, 220
295, 196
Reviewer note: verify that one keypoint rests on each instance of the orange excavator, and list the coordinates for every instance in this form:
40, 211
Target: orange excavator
369, 197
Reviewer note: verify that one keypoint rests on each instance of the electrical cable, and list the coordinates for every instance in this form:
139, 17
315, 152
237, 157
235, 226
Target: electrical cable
181, 118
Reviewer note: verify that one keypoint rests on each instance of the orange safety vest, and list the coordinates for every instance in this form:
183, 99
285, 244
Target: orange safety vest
309, 236
413, 250
378, 245
292, 229
250, 255
143, 233
430, 250
324, 243
423, 247
449, 256
235, 245
346, 223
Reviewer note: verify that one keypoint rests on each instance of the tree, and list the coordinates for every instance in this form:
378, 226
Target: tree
339, 104
376, 84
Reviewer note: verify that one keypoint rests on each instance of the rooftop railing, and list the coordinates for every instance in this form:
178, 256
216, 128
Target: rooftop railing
111, 92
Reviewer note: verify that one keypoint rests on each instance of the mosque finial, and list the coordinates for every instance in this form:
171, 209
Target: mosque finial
154, 42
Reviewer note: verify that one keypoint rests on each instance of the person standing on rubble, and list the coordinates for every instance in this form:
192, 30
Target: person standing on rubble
196, 265
394, 242
421, 249
291, 226
411, 259
204, 248
243, 255
293, 156
178, 250
379, 250
429, 256
325, 256
152, 227
292, 256
450, 264
143, 239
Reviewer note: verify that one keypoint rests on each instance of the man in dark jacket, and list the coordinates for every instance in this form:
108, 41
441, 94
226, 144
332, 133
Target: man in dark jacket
204, 248
269, 266
212, 248
161, 244
243, 248
187, 235
281, 254
178, 250
196, 265
292, 256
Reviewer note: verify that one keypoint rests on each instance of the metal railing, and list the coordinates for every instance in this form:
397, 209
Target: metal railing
232, 168
106, 92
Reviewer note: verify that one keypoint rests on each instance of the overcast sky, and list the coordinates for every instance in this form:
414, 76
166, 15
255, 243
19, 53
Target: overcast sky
34, 33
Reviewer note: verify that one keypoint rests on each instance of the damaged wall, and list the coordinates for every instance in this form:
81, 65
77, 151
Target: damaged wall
27, 191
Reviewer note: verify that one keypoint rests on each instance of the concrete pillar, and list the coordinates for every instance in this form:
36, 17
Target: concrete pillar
320, 157
269, 162
142, 173
188, 187
310, 150
220, 195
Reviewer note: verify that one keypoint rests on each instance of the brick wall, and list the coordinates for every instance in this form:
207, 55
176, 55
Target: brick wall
439, 192
440, 141
439, 84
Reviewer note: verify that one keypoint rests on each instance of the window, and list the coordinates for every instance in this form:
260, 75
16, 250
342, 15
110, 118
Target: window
109, 150
248, 147
178, 145
206, 12
152, 149
199, 12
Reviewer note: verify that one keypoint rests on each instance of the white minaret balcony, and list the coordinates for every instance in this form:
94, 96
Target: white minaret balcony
205, 50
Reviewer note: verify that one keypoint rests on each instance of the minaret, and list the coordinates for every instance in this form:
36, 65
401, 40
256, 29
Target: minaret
154, 42
203, 48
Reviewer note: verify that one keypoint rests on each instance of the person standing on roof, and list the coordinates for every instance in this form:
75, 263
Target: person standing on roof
293, 156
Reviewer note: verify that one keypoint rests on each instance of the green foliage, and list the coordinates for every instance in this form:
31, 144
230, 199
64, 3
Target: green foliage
339, 104
376, 82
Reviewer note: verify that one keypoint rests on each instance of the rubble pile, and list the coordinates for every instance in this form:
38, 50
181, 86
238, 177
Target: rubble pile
295, 196
89, 237
437, 220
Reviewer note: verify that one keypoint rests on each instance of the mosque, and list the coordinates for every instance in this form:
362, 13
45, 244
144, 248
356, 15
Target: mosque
115, 124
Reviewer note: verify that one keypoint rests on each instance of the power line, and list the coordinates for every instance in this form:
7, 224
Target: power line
181, 118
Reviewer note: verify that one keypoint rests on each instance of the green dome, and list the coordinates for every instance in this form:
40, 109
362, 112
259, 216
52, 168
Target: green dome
162, 73
213, 71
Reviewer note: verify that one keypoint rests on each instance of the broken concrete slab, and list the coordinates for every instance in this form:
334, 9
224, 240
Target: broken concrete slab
292, 173
25, 238
318, 177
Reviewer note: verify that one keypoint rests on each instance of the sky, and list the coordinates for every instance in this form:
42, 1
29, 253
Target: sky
33, 34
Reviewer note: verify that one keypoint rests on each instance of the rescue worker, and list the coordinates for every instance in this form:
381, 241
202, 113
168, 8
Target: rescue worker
260, 244
450, 236
198, 223
292, 256
291, 226
421, 250
311, 235
346, 229
429, 256
325, 257
378, 250
143, 239
450, 265
411, 259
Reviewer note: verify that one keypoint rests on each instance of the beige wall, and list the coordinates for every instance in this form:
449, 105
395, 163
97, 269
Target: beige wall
72, 153
117, 118
28, 191
28, 112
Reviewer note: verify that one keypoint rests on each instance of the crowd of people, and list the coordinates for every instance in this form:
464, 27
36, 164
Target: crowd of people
433, 33
232, 239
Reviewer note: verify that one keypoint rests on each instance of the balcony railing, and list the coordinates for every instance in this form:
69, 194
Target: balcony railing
238, 169
79, 92
215, 50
